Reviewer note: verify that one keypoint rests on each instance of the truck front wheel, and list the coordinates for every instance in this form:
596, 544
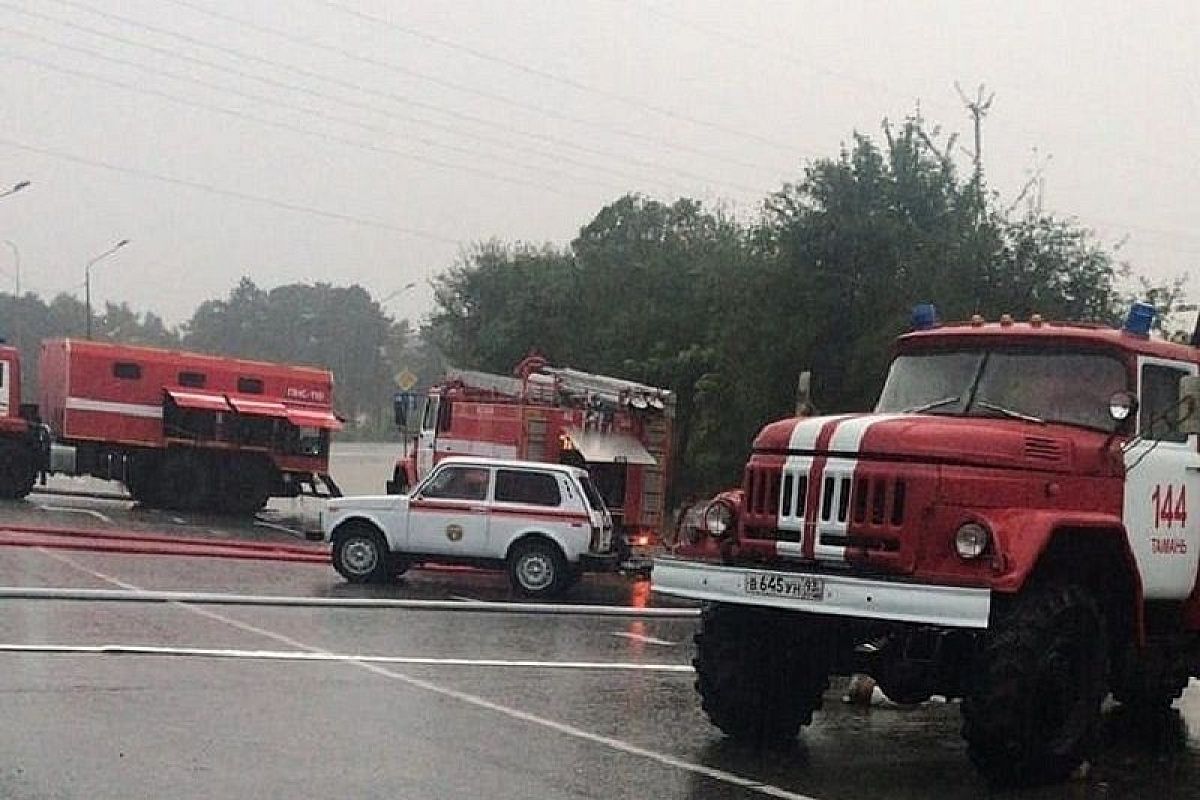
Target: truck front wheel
760, 673
360, 554
1032, 709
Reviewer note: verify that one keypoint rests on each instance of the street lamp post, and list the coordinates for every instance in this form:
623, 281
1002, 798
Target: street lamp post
87, 280
16, 264
16, 187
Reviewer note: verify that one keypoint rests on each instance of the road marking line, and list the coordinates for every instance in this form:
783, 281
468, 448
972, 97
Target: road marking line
68, 510
462, 598
641, 637
291, 655
411, 604
612, 743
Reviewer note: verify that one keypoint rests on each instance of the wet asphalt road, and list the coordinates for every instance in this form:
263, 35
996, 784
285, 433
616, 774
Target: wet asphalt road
242, 725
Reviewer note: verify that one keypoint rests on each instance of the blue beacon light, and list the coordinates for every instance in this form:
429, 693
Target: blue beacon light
1140, 319
924, 317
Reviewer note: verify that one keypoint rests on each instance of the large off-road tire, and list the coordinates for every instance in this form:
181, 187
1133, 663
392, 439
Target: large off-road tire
360, 553
142, 479
538, 569
18, 473
186, 481
760, 673
244, 484
1032, 710
1145, 684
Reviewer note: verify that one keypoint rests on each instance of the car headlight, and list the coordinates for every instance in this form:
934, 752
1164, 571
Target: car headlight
971, 540
718, 519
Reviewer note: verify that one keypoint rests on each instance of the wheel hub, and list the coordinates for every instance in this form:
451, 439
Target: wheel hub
535, 571
359, 556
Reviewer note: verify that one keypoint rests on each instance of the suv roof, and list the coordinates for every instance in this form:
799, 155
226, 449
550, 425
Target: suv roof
503, 463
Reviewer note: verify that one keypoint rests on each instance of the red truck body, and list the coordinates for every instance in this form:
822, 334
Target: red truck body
179, 429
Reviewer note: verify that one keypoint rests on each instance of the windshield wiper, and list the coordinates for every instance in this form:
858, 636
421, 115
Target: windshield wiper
945, 401
1008, 412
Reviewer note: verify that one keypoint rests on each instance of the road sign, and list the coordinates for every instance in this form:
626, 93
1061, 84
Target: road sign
406, 380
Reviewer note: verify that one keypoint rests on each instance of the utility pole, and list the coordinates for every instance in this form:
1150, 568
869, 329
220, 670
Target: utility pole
979, 108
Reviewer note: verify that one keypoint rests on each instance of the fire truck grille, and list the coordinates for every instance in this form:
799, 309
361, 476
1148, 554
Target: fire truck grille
872, 505
879, 501
763, 492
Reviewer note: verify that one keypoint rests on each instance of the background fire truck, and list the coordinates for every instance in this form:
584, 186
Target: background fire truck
180, 430
620, 431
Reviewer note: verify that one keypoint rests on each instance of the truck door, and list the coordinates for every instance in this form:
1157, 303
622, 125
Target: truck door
1162, 485
449, 514
427, 437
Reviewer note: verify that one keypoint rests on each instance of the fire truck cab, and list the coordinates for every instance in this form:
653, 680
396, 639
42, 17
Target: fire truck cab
1011, 526
619, 431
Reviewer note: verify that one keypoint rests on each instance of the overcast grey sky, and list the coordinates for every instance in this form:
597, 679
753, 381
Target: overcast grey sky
418, 128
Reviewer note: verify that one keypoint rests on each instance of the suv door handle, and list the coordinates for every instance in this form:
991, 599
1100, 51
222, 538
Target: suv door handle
477, 508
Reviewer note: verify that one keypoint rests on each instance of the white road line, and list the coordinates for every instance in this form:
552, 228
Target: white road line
67, 510
641, 637
292, 655
462, 598
731, 778
275, 527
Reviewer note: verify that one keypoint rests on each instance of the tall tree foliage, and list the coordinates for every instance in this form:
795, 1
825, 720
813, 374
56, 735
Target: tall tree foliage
340, 328
728, 314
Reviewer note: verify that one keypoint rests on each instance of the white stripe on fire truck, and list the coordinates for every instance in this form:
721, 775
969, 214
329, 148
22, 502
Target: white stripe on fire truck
846, 438
108, 407
804, 438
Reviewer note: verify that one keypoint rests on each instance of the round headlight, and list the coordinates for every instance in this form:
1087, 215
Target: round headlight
971, 540
718, 519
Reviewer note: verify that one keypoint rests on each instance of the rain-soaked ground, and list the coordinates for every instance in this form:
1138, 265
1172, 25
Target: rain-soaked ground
598, 707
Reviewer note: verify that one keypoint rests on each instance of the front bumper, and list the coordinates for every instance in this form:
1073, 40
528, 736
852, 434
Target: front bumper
841, 595
599, 562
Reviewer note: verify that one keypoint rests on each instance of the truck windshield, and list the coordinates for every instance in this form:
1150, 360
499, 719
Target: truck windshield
1071, 387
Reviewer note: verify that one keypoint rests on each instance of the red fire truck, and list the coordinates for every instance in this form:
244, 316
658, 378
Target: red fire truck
180, 430
620, 431
1011, 527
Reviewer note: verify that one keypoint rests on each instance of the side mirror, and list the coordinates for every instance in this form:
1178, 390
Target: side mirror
1122, 405
1189, 404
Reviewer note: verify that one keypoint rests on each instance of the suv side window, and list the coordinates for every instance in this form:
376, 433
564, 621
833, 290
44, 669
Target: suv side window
458, 483
1159, 404
532, 488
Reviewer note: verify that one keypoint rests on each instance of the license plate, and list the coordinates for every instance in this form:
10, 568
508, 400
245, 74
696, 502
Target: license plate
796, 587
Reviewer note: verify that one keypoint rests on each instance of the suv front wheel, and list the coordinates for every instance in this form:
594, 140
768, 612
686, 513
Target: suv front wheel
360, 554
537, 569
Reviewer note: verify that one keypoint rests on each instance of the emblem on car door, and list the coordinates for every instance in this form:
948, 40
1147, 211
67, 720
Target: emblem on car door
454, 532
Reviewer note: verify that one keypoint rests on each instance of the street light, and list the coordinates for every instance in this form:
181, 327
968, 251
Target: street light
87, 280
15, 188
16, 264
